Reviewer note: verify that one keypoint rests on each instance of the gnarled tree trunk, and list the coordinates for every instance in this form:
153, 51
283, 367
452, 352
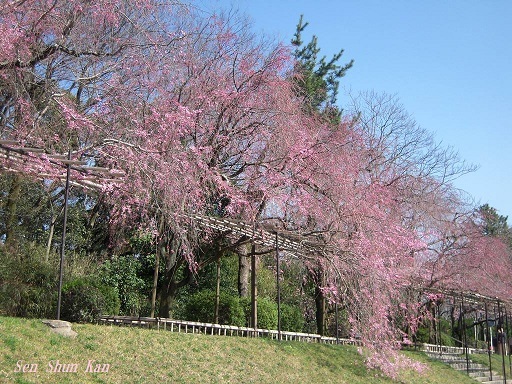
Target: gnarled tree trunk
174, 260
10, 210
244, 269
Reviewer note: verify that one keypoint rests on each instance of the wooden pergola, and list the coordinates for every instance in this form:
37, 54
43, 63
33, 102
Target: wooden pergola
92, 177
304, 246
14, 152
283, 242
501, 311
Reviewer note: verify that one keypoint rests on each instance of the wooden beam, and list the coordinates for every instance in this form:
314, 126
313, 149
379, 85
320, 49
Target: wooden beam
73, 162
9, 142
95, 169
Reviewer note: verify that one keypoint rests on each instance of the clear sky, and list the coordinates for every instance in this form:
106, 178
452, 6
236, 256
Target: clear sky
449, 63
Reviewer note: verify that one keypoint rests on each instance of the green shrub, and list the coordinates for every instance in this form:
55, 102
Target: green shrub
446, 339
292, 318
85, 299
123, 274
28, 288
422, 335
267, 312
201, 307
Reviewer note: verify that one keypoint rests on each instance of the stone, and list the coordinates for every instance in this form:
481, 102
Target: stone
61, 327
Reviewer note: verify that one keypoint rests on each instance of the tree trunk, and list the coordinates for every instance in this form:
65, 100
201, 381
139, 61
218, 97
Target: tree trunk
254, 289
161, 241
217, 292
11, 208
320, 310
50, 236
452, 319
244, 269
170, 287
155, 284
167, 296
318, 277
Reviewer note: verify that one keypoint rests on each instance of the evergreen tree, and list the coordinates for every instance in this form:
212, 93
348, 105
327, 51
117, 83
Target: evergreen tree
494, 224
317, 82
317, 79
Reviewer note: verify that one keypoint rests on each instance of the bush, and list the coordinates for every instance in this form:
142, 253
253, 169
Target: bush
123, 274
292, 318
422, 335
201, 307
28, 288
446, 339
85, 299
267, 312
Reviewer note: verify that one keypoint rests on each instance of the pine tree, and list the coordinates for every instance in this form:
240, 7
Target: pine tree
317, 82
494, 223
317, 79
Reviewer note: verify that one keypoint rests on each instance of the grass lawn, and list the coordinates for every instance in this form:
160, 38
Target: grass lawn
134, 355
497, 363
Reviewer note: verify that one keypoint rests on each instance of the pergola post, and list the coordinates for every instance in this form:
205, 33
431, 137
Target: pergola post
278, 281
500, 334
63, 242
465, 336
507, 330
336, 314
254, 290
437, 325
217, 289
489, 342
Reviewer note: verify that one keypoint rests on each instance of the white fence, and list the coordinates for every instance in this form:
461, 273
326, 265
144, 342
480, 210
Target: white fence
183, 326
221, 330
440, 349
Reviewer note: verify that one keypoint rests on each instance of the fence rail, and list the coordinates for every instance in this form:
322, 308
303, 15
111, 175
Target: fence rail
433, 348
220, 330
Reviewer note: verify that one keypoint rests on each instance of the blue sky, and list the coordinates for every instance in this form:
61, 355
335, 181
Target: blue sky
449, 63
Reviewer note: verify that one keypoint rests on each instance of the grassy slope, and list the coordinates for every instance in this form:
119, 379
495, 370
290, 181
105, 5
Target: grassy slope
497, 363
149, 356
